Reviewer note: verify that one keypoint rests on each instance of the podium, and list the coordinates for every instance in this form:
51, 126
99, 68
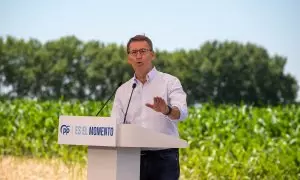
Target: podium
113, 149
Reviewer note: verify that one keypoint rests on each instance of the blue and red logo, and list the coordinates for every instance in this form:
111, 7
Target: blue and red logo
64, 129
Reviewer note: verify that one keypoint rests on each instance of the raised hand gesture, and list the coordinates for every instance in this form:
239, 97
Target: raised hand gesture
159, 105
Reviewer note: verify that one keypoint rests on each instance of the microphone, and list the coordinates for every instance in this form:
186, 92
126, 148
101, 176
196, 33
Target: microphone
133, 86
120, 83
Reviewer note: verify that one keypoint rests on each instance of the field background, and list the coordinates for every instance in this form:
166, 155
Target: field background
225, 141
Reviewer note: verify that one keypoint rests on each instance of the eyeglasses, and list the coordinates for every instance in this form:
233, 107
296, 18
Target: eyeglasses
141, 51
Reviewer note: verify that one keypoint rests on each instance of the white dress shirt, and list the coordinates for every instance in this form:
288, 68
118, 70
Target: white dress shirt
158, 84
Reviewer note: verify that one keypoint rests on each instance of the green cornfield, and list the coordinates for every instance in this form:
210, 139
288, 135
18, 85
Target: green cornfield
225, 141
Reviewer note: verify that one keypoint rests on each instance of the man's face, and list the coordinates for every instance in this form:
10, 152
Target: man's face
140, 56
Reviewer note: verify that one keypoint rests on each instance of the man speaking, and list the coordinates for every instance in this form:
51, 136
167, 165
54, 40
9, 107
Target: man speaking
153, 100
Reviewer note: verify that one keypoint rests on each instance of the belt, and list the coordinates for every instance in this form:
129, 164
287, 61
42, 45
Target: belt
157, 152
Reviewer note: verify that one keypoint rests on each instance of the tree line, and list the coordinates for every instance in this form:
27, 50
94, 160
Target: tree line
69, 68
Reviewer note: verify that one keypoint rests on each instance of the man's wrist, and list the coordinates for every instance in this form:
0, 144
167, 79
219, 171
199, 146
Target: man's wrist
169, 111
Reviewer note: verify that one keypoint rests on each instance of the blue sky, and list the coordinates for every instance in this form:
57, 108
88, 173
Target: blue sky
273, 24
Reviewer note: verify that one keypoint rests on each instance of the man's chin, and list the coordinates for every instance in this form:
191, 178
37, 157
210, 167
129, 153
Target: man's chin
142, 69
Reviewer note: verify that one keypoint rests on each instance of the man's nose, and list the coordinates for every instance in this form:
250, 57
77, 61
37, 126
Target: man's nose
139, 55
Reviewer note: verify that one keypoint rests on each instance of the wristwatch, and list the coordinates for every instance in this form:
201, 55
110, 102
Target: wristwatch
169, 112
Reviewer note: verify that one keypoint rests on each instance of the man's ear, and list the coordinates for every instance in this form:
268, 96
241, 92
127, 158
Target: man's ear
153, 55
128, 61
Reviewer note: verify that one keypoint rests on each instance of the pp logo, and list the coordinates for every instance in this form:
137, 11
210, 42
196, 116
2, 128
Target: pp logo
64, 129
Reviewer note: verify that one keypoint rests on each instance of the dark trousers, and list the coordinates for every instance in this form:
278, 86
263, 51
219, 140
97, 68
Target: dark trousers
160, 165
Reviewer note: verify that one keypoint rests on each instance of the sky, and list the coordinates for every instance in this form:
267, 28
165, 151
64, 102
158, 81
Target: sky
272, 24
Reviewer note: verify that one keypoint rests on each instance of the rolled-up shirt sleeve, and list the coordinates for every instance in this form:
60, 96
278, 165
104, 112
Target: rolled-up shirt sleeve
177, 97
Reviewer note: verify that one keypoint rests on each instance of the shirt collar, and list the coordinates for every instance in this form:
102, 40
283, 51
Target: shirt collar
149, 76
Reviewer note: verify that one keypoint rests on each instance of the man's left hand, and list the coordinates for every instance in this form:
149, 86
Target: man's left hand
159, 105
